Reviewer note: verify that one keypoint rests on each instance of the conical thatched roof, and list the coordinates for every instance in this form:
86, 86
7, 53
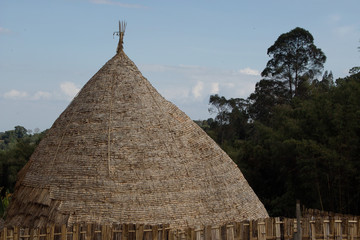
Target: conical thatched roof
121, 153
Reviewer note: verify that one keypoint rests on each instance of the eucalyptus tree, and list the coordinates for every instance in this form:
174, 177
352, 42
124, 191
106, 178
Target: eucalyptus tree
294, 57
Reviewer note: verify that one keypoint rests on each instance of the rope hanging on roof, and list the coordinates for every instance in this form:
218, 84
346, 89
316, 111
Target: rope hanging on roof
120, 33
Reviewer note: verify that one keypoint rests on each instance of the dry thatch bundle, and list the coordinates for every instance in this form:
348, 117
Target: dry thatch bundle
121, 153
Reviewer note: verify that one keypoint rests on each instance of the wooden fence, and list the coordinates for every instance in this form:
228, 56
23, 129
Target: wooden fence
312, 228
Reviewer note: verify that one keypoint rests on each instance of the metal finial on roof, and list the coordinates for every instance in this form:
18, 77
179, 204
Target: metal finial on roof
120, 33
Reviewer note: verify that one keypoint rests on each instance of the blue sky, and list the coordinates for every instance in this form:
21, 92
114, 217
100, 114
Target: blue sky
186, 49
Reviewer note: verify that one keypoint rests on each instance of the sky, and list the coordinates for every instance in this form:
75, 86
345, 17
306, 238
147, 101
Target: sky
188, 50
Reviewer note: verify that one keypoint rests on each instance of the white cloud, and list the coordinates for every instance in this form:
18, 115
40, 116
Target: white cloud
41, 95
154, 68
335, 18
15, 94
214, 88
176, 93
197, 89
344, 30
115, 3
249, 71
189, 87
69, 89
4, 30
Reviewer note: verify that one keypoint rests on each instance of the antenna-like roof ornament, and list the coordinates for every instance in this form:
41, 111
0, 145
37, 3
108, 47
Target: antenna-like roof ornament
120, 33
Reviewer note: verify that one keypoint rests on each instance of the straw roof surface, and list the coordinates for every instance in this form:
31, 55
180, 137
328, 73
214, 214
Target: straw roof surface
121, 153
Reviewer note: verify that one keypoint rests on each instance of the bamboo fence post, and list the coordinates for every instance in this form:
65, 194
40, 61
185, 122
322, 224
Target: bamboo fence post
338, 230
32, 237
88, 232
197, 233
277, 228
155, 232
52, 232
171, 235
37, 233
125, 232
295, 230
298, 235
109, 232
251, 230
230, 232
139, 231
215, 233
312, 230
48, 233
353, 229
345, 229
105, 232
10, 234
4, 234
326, 229
164, 235
261, 230
76, 232
63, 235
246, 231
207, 233
187, 234
190, 234
237, 227
16, 234
183, 235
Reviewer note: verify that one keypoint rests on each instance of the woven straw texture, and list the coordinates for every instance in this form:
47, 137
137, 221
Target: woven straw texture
121, 153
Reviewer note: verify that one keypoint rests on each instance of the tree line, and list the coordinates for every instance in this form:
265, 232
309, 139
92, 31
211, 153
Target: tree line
16, 147
297, 136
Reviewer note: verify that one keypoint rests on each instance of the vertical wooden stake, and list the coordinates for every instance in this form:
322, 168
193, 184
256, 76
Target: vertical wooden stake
298, 235
207, 233
197, 233
261, 230
277, 228
63, 232
103, 232
251, 226
313, 230
155, 233
32, 237
230, 232
171, 235
326, 229
76, 232
338, 230
4, 233
48, 233
190, 234
353, 229
139, 231
88, 232
163, 234
125, 232
16, 233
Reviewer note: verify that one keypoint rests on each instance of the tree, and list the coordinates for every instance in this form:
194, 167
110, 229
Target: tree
294, 57
219, 106
268, 93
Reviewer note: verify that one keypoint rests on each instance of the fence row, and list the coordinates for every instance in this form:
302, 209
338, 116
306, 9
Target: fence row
323, 228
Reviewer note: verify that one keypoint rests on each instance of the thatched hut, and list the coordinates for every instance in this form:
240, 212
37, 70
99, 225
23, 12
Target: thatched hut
121, 153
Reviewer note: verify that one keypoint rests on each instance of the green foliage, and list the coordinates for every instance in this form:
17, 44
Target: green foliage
4, 203
16, 147
306, 148
294, 59
268, 93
